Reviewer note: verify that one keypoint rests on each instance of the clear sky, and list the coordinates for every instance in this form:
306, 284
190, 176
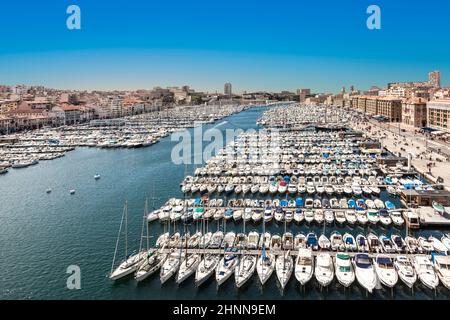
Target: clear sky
254, 44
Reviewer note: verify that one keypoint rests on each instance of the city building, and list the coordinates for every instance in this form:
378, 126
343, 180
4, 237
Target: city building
227, 89
434, 78
414, 112
388, 107
438, 114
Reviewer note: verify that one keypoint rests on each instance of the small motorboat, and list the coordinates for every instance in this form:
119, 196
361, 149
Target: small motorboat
374, 243
337, 242
304, 266
425, 272
387, 244
405, 270
324, 242
349, 242
324, 269
389, 205
438, 245
384, 267
312, 241
344, 269
365, 272
362, 243
97, 177
399, 243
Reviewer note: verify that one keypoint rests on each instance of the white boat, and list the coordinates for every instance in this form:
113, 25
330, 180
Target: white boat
225, 267
350, 216
397, 218
97, 177
425, 272
268, 215
361, 217
365, 272
299, 241
132, 261
385, 217
171, 265
244, 270
257, 215
405, 270
265, 240
427, 245
324, 242
349, 242
399, 243
206, 268
253, 240
337, 243
373, 216
412, 245
384, 267
386, 244
309, 216
446, 242
265, 266
442, 267
279, 214
340, 218
188, 267
149, 265
362, 243
324, 270
344, 269
228, 240
299, 215
319, 216
379, 204
237, 215
304, 266
284, 265
438, 245
329, 216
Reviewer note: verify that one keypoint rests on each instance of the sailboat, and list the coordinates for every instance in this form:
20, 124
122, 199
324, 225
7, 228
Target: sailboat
206, 268
245, 269
265, 265
284, 266
131, 262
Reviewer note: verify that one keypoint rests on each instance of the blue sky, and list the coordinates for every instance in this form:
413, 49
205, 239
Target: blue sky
256, 45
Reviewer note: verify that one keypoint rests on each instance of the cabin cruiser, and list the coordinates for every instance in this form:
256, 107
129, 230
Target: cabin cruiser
344, 269
337, 243
309, 216
384, 267
312, 241
412, 245
298, 215
399, 243
362, 243
349, 242
385, 217
362, 217
405, 270
387, 244
299, 241
397, 218
329, 216
442, 266
374, 243
438, 245
324, 242
265, 240
304, 266
427, 245
425, 272
365, 272
350, 216
373, 216
324, 270
339, 217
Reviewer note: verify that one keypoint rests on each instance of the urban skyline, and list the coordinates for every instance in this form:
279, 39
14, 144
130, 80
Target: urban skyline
120, 48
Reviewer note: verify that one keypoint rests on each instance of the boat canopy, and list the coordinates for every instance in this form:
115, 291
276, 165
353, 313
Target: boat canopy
384, 260
343, 256
362, 261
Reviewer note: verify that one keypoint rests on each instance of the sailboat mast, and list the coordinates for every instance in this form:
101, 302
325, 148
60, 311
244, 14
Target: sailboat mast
118, 238
126, 229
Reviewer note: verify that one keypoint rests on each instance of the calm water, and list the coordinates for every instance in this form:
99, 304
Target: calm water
42, 234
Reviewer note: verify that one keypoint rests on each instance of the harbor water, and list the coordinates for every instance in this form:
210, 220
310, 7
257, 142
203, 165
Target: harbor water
42, 234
